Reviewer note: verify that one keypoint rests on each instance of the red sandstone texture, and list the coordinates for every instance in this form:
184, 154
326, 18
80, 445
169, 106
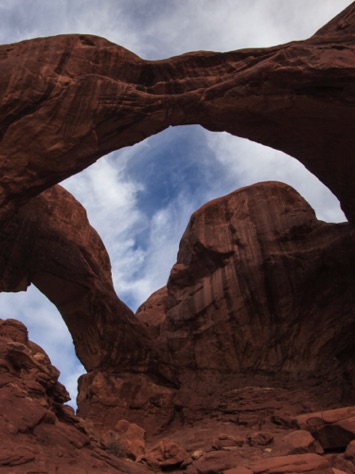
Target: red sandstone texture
244, 362
39, 433
256, 326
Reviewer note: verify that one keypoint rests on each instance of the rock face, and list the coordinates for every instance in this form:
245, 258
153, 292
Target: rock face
335, 429
252, 338
256, 327
257, 286
260, 286
297, 98
49, 242
38, 432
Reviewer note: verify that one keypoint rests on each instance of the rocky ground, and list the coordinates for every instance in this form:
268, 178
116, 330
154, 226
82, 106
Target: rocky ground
251, 429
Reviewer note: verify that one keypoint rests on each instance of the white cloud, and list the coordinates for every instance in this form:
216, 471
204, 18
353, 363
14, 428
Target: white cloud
234, 24
46, 18
110, 200
166, 228
159, 29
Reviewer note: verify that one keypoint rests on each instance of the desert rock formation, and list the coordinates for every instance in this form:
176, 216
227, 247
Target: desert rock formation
50, 243
256, 325
68, 100
253, 271
38, 432
244, 362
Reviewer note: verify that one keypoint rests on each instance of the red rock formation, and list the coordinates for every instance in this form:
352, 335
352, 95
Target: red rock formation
261, 293
68, 100
335, 429
256, 271
291, 464
256, 278
49, 242
255, 325
38, 432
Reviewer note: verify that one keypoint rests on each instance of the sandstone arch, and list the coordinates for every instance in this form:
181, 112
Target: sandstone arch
68, 100
50, 243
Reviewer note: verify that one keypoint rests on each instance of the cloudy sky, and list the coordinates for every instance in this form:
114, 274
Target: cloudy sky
140, 198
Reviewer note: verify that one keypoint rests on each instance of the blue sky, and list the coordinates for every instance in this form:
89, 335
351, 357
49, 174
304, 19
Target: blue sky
140, 198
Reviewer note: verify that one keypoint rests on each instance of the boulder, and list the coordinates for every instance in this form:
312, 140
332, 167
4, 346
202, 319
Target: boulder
334, 429
300, 442
125, 440
350, 452
259, 439
226, 440
166, 454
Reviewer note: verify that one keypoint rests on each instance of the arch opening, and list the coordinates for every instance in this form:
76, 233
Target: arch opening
140, 200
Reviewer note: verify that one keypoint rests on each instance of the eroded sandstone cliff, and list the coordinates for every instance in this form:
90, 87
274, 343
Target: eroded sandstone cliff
254, 329
230, 367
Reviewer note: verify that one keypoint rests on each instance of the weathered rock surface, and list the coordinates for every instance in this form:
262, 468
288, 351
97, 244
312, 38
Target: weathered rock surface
300, 442
350, 452
167, 454
300, 270
68, 100
255, 324
266, 232
334, 429
260, 286
292, 464
125, 440
50, 243
38, 432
